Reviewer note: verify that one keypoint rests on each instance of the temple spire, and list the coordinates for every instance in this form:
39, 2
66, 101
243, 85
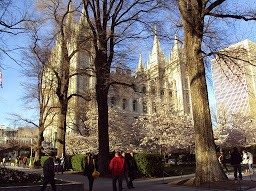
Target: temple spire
156, 44
175, 51
157, 55
69, 22
140, 67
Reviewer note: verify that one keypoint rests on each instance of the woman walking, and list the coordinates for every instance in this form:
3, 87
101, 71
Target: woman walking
89, 168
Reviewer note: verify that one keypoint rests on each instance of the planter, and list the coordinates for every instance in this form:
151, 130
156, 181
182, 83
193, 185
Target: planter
68, 186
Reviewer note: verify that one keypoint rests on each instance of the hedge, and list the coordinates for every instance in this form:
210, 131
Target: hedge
149, 165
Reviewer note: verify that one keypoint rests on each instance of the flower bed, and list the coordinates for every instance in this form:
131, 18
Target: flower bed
13, 180
13, 177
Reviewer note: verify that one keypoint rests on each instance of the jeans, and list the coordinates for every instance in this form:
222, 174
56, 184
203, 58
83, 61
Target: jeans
250, 168
119, 180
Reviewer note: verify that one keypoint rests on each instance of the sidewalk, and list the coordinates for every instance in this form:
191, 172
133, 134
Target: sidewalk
153, 184
156, 184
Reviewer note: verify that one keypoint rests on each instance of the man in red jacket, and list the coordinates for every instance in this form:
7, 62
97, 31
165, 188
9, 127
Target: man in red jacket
117, 166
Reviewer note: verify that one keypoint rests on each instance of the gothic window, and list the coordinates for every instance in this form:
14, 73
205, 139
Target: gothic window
144, 90
154, 107
153, 91
134, 105
170, 93
124, 104
187, 97
186, 83
145, 107
112, 102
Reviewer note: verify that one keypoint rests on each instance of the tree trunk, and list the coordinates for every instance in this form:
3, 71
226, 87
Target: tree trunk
62, 93
208, 168
102, 76
61, 132
40, 139
103, 138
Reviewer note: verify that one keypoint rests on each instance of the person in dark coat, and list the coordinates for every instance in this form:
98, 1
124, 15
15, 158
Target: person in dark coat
132, 169
48, 170
235, 161
89, 168
125, 176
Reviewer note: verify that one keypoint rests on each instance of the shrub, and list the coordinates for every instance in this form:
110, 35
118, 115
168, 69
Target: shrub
43, 159
68, 164
149, 165
77, 162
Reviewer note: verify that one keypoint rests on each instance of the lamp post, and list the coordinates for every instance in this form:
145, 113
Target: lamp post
55, 140
31, 153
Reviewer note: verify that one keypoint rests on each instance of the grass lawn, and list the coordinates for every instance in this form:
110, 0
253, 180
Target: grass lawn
177, 170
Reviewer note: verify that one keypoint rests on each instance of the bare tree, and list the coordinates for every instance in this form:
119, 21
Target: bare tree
60, 14
194, 14
110, 23
13, 20
38, 90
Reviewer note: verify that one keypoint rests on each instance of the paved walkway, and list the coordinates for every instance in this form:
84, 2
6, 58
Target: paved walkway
155, 184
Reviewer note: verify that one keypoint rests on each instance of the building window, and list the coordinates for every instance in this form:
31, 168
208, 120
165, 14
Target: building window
154, 107
145, 107
124, 104
153, 91
187, 97
112, 102
134, 105
144, 90
170, 93
162, 93
186, 83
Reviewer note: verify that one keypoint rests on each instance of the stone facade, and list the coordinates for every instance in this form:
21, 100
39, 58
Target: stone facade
162, 80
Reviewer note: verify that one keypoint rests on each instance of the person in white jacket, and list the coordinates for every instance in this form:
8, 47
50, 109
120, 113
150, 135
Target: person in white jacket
248, 160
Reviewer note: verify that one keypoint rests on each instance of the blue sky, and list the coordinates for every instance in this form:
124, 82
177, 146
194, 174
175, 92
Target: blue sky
12, 91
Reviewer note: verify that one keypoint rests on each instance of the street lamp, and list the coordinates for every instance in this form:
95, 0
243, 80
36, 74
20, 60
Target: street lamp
55, 140
31, 153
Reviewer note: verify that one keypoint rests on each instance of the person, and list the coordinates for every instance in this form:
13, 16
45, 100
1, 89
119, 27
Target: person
235, 161
48, 170
3, 161
25, 161
117, 166
62, 163
19, 160
222, 161
248, 160
57, 165
89, 168
132, 169
245, 161
123, 154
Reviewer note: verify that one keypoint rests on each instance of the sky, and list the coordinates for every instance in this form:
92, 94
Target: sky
12, 91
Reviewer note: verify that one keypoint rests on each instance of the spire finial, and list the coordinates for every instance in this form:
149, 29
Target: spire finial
155, 29
176, 40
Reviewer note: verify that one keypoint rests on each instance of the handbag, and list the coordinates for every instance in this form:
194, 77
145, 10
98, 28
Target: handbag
95, 173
